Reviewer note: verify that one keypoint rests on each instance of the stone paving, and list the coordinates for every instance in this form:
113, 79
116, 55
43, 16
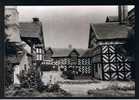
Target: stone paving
80, 87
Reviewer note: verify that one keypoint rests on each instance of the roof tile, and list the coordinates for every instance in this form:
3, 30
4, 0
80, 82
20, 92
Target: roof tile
64, 52
111, 30
30, 29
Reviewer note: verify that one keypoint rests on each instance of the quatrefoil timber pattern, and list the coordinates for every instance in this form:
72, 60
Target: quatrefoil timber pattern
115, 65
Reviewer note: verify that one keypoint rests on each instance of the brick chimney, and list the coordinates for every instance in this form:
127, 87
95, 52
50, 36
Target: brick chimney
122, 14
35, 19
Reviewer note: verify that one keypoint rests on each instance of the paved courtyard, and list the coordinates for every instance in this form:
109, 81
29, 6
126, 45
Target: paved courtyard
81, 87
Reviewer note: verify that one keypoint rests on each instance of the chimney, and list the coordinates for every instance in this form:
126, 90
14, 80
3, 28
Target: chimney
35, 19
122, 14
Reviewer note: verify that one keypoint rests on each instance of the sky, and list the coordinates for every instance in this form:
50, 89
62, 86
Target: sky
64, 25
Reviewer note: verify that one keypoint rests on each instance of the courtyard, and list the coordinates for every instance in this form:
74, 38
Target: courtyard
40, 66
91, 87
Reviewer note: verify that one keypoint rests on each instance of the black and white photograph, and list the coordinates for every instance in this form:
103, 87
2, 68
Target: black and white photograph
69, 51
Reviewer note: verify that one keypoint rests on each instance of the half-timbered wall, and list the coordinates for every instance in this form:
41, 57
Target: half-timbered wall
96, 62
111, 65
82, 68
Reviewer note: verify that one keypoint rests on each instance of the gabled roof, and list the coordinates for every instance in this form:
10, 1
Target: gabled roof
30, 29
110, 31
112, 19
74, 50
49, 49
65, 52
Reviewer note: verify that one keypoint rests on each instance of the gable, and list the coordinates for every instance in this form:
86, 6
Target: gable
92, 37
92, 31
49, 51
74, 53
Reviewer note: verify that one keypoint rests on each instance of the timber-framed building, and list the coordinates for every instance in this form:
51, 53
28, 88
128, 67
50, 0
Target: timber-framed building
68, 60
32, 33
106, 46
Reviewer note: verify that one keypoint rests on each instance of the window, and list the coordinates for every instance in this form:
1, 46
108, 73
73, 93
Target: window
40, 57
37, 50
37, 57
40, 51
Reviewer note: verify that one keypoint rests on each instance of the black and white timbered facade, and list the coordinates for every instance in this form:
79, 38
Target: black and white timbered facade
107, 47
68, 59
32, 34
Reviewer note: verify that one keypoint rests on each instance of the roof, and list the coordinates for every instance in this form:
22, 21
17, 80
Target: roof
112, 19
75, 52
88, 53
64, 52
110, 30
30, 29
49, 49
